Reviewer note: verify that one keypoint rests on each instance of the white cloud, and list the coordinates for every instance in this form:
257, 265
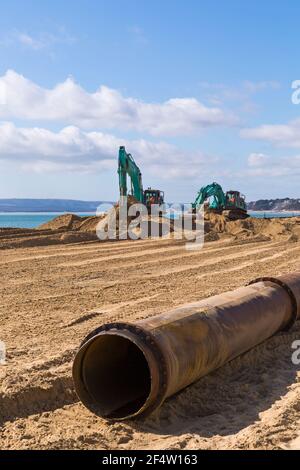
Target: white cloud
241, 95
283, 135
245, 86
69, 103
71, 149
29, 41
254, 87
37, 41
262, 165
258, 159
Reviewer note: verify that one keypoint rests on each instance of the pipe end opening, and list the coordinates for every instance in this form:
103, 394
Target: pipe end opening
112, 376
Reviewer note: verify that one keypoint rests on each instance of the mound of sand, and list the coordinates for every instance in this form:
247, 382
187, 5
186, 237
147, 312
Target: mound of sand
89, 224
267, 229
62, 222
72, 222
216, 226
71, 228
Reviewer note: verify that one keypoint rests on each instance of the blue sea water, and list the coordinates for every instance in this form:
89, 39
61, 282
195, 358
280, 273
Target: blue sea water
270, 214
30, 219
34, 219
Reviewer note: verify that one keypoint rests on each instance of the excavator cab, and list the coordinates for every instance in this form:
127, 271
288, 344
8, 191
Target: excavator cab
236, 200
153, 196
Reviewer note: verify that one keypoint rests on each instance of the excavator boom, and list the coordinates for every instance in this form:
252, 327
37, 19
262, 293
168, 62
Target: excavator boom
232, 202
127, 166
213, 190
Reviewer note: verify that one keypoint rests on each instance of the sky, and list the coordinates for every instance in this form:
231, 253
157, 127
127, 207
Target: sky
197, 91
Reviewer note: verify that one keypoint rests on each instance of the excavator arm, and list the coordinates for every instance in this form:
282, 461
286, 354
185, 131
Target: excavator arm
127, 166
213, 190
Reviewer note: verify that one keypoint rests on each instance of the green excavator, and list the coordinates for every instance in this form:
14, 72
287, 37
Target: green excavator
127, 166
231, 203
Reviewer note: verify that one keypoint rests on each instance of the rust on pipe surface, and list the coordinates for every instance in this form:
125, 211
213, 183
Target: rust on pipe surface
123, 370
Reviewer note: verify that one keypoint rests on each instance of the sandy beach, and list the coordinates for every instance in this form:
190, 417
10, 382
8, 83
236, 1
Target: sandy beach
54, 295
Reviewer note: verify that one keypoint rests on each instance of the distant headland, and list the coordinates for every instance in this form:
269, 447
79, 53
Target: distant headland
49, 205
276, 205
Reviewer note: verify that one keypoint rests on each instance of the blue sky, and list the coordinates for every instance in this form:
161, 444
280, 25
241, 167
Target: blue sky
198, 91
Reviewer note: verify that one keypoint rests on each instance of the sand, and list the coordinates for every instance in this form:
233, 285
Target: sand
70, 228
52, 295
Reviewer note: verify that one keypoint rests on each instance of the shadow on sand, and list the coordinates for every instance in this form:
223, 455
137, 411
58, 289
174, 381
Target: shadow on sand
231, 398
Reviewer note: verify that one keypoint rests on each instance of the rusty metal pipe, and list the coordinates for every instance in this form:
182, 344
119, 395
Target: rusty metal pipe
123, 370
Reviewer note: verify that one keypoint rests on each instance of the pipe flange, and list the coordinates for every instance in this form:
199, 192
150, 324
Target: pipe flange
150, 340
291, 294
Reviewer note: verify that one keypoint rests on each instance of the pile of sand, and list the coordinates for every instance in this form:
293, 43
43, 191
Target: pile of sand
89, 224
62, 222
216, 226
219, 226
72, 222
71, 228
64, 229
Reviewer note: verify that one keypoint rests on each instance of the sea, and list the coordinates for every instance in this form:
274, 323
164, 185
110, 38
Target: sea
34, 219
271, 215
